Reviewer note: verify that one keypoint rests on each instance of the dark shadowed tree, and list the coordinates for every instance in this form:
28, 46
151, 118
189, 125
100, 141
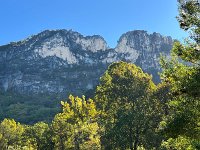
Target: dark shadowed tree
128, 113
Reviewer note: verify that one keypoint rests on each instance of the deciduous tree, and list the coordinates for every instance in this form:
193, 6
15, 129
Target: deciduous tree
76, 127
128, 112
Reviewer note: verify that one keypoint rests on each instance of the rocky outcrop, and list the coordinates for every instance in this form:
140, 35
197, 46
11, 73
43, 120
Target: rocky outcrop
144, 50
61, 61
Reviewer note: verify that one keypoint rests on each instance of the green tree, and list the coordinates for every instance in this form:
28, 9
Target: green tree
76, 127
183, 118
182, 74
179, 143
10, 134
127, 111
39, 136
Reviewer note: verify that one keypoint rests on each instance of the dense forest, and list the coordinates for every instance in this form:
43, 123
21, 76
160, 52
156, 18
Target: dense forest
127, 110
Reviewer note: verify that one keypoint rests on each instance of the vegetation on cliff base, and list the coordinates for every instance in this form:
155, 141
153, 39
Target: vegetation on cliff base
129, 111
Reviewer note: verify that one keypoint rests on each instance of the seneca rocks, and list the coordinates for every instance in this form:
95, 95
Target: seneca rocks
64, 61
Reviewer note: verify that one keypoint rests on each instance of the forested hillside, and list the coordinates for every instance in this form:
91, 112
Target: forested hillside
127, 111
36, 73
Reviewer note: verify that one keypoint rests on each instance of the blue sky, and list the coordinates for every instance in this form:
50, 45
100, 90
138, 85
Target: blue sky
108, 18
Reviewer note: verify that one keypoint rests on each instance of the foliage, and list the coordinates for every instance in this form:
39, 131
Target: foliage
76, 127
189, 11
27, 109
10, 134
179, 143
182, 74
127, 111
39, 136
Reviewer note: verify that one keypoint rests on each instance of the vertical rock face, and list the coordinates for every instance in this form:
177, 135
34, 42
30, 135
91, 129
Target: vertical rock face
144, 49
63, 61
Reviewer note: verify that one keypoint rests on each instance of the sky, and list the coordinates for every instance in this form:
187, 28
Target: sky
20, 19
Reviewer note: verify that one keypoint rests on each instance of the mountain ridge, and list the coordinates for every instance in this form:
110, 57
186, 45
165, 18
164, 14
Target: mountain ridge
60, 61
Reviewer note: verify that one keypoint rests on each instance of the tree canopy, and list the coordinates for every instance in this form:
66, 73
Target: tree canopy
128, 112
182, 74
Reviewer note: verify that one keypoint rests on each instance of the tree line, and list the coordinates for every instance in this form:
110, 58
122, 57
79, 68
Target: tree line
128, 111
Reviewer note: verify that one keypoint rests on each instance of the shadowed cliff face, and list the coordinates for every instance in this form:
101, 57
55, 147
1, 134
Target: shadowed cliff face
63, 61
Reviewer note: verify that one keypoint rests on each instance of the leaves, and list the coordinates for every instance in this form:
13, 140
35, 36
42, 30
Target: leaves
123, 97
76, 127
182, 74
